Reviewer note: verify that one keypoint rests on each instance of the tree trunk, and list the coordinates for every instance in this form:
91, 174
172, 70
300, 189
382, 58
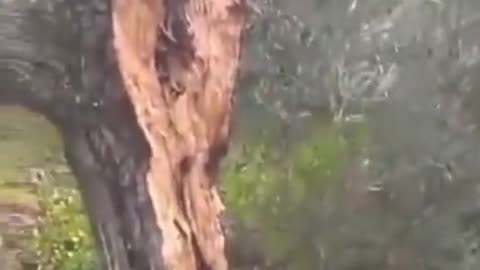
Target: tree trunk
144, 106
178, 62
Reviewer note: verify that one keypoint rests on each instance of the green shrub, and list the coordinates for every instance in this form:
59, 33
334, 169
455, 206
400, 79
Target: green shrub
63, 240
279, 194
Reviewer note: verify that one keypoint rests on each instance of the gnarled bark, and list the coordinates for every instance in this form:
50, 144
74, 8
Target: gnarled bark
141, 91
178, 61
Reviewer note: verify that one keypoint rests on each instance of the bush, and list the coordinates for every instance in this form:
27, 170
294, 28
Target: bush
279, 194
63, 239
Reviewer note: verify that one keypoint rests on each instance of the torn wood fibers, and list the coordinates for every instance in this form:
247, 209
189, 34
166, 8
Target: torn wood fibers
178, 60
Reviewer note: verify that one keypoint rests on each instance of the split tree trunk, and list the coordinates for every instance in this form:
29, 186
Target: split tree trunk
142, 93
178, 61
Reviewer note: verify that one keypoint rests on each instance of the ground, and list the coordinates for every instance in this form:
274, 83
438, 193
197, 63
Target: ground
27, 144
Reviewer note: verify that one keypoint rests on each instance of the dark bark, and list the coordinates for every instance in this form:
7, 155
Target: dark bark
71, 78
58, 59
109, 156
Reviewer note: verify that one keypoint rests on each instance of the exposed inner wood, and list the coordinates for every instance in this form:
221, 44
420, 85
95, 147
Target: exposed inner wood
178, 61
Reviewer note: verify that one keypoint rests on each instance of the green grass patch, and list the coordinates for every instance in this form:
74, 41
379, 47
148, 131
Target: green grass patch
18, 197
26, 140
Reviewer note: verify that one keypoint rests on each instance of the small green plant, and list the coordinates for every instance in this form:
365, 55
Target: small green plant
62, 239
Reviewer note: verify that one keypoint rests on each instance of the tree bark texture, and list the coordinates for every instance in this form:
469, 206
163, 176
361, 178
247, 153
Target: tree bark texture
178, 61
141, 91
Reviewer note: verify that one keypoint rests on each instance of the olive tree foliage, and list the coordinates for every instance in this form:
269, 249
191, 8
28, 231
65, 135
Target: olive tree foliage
360, 45
407, 69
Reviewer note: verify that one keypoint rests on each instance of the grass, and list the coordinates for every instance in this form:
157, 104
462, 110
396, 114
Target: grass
18, 197
26, 140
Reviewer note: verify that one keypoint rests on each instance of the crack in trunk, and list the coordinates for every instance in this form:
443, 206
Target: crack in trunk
178, 61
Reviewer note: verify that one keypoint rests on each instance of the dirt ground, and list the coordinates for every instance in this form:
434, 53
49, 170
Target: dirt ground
16, 224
